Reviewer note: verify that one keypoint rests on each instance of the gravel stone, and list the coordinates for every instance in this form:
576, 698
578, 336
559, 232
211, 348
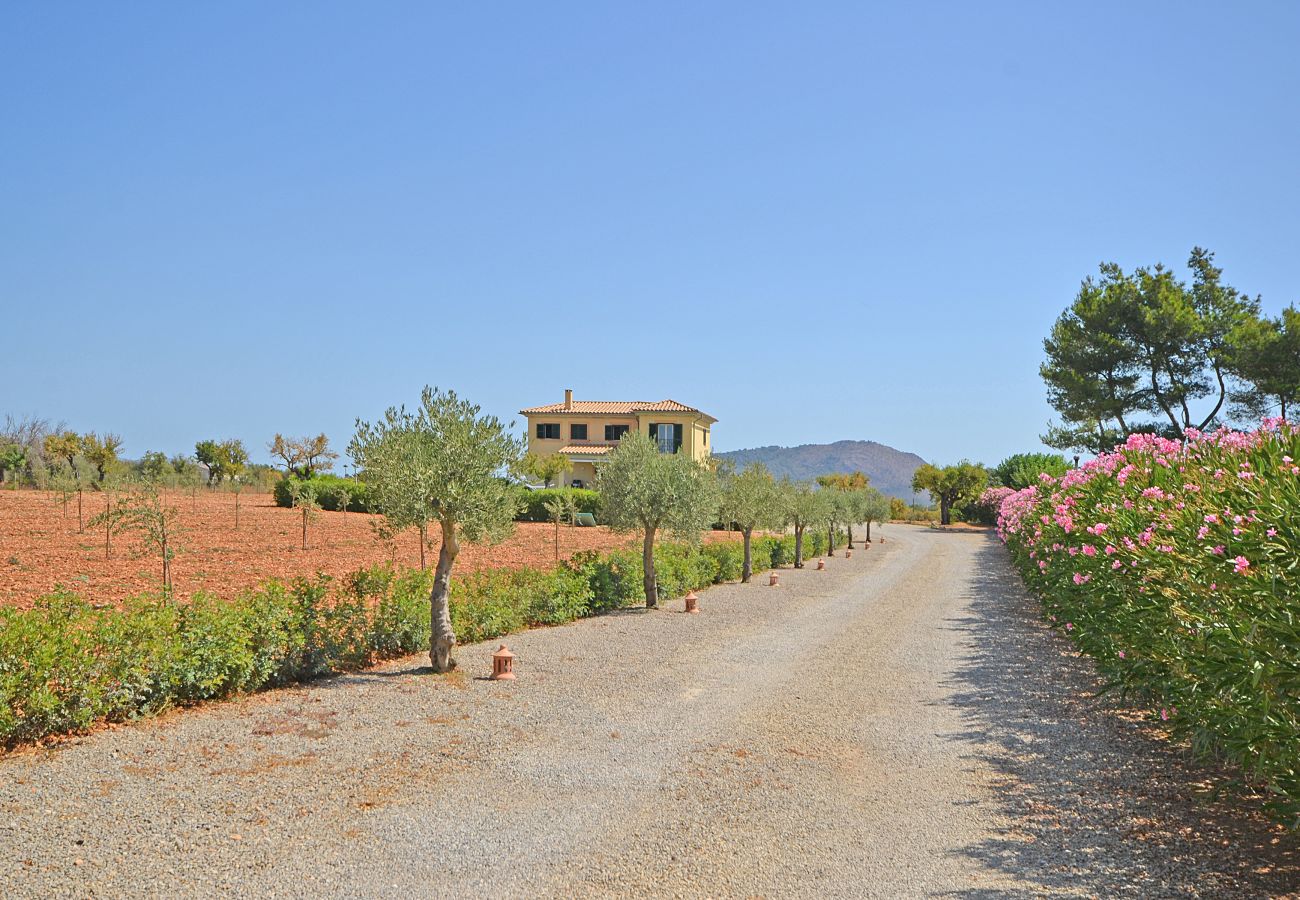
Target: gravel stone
899, 725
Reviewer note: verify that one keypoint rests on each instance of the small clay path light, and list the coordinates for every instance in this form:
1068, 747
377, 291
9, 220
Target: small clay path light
692, 602
821, 564
848, 554
773, 580
503, 664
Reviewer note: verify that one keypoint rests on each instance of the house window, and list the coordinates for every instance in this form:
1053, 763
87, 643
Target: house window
615, 432
577, 432
549, 431
667, 436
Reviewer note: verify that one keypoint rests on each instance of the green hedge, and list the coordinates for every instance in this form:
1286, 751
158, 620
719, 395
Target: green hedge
331, 493
65, 664
532, 504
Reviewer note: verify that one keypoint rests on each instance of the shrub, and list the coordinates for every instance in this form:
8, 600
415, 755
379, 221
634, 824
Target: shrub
984, 509
332, 492
1174, 568
532, 504
65, 664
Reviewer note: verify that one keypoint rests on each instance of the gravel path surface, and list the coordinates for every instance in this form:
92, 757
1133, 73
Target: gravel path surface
898, 725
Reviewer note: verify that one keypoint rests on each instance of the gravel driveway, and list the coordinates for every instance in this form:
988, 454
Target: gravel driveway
898, 725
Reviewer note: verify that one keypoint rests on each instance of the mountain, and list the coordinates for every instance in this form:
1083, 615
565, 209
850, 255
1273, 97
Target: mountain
890, 470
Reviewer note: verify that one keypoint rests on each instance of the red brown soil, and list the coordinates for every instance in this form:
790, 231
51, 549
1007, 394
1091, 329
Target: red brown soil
39, 549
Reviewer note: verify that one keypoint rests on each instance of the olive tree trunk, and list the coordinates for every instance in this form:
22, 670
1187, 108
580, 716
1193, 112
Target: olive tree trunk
850, 527
441, 636
798, 546
648, 565
748, 568
868, 540
830, 541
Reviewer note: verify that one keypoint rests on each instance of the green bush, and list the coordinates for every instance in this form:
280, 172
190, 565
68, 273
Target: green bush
65, 665
727, 560
532, 504
331, 493
1174, 566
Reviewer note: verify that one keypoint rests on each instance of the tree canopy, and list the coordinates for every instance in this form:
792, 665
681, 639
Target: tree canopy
448, 463
751, 499
645, 491
950, 485
1144, 351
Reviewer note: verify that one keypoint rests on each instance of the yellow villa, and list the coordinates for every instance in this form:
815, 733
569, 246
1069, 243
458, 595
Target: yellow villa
584, 431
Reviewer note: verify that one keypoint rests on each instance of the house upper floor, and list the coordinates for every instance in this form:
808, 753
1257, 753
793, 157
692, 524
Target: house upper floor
584, 430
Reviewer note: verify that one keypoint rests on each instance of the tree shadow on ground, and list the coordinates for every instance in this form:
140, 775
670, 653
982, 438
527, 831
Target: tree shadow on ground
1101, 804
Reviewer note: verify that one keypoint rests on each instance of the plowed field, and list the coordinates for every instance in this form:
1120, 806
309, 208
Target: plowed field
40, 548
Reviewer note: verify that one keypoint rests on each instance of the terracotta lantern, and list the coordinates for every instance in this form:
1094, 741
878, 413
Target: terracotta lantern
821, 564
503, 664
848, 554
692, 603
774, 580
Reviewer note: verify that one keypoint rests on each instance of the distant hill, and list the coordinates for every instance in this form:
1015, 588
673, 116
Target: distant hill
890, 470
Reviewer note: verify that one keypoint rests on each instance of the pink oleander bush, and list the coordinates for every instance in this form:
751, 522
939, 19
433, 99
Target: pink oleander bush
986, 508
1175, 568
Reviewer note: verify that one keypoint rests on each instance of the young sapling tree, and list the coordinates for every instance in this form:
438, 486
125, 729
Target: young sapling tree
143, 510
306, 501
561, 508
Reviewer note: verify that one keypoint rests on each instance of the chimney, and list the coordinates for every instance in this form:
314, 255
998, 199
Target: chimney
568, 399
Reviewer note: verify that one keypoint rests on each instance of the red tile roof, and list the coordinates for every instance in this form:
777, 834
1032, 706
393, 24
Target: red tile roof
614, 408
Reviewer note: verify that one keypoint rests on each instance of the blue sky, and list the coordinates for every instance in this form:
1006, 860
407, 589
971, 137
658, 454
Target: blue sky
815, 221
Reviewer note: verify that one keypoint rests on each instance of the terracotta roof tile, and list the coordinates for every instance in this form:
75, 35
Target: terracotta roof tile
613, 407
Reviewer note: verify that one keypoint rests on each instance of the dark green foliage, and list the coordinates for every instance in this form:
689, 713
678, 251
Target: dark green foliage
533, 503
1021, 470
331, 492
65, 665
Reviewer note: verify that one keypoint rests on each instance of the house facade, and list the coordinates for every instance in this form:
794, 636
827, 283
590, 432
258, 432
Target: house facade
585, 431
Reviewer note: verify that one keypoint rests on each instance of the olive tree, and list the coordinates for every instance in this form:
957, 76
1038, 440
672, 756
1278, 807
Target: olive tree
545, 468
751, 499
876, 508
803, 505
646, 492
950, 485
445, 462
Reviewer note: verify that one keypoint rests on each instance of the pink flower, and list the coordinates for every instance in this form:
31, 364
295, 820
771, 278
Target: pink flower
1089, 550
1121, 655
1240, 564
1164, 714
1272, 532
1081, 579
1217, 551
1069, 626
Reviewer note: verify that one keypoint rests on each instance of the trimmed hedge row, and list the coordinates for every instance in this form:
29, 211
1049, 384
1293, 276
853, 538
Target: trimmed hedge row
65, 664
332, 492
1174, 566
533, 503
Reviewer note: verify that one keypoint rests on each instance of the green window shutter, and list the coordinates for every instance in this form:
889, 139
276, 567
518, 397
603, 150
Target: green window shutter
677, 438
654, 431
